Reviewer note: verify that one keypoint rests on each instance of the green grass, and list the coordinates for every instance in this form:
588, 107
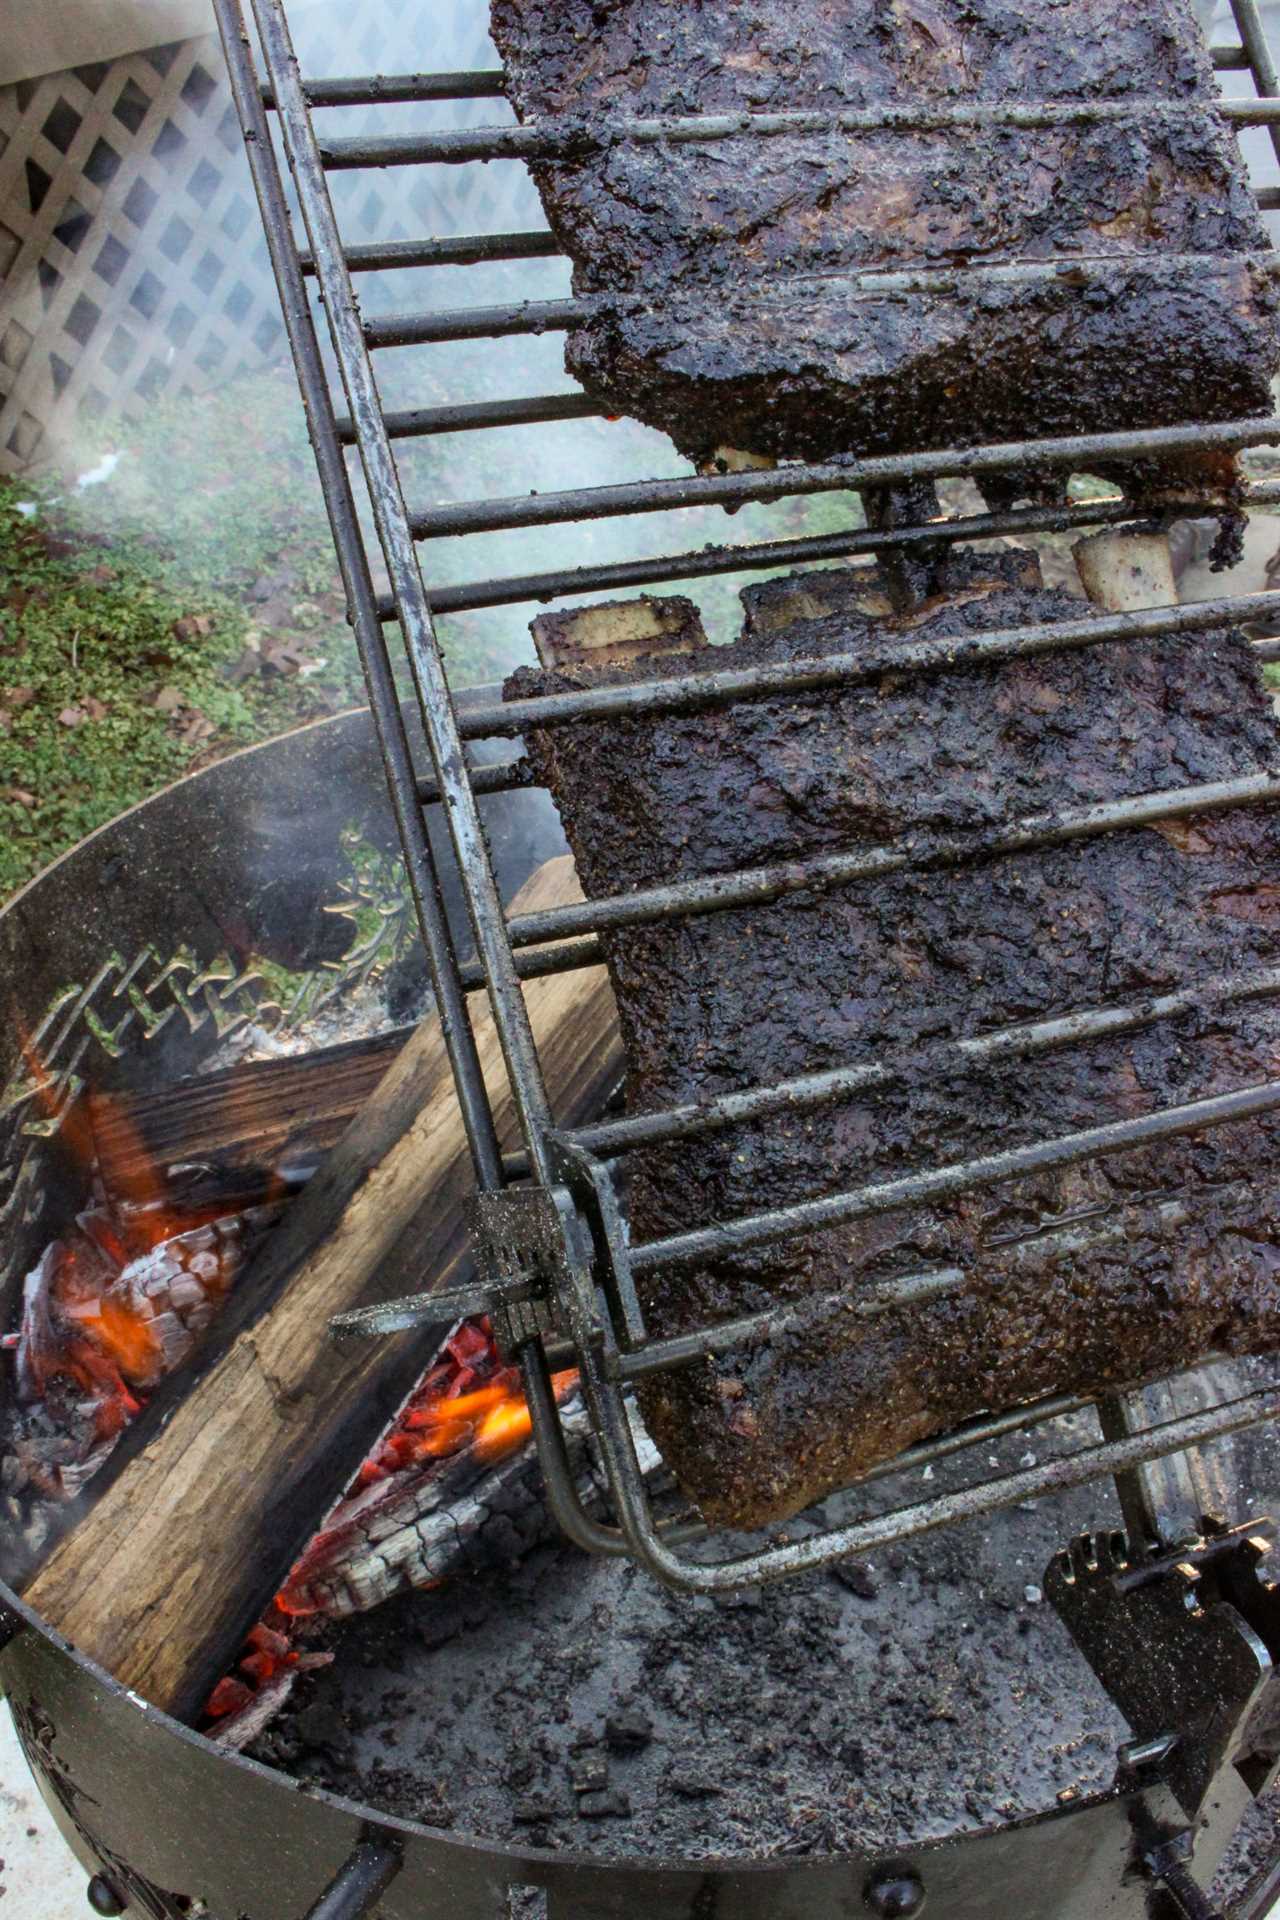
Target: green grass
134, 623
89, 640
188, 606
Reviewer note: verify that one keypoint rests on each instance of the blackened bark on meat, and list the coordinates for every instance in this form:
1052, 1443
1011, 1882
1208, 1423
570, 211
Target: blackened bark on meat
727, 313
821, 979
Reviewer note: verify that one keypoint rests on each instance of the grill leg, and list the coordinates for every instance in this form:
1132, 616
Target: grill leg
357, 1887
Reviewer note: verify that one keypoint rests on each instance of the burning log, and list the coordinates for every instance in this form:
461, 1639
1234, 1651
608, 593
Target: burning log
203, 1518
452, 1483
183, 1180
107, 1312
479, 1508
260, 1113
474, 1505
453, 1487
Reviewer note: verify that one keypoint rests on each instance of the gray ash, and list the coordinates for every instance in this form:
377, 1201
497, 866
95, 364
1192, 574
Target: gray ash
573, 1703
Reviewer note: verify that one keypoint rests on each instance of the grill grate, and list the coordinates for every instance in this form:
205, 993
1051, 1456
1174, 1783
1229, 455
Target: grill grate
557, 1256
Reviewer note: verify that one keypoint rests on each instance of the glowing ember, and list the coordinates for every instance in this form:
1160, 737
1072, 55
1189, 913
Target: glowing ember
466, 1404
109, 1309
469, 1407
105, 1317
127, 1338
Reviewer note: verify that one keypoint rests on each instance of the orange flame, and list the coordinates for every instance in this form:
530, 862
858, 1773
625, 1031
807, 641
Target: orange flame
444, 1426
508, 1426
75, 1126
495, 1419
510, 1423
127, 1337
153, 1215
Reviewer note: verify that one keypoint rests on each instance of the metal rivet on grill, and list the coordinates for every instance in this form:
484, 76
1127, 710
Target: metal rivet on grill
103, 1895
895, 1894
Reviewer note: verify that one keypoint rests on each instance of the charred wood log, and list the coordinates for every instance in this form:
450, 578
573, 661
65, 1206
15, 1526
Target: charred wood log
464, 1515
260, 1113
464, 1512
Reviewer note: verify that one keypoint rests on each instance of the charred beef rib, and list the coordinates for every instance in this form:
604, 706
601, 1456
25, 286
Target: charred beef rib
868, 971
730, 306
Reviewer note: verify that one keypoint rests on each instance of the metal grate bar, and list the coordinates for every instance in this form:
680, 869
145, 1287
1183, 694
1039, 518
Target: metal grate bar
800, 1095
574, 142
686, 692
477, 249
964, 1176
553, 316
514, 774
1078, 451
535, 965
913, 1289
1253, 41
472, 323
507, 777
783, 1560
715, 893
976, 1433
705, 562
468, 250
488, 83
522, 412
372, 90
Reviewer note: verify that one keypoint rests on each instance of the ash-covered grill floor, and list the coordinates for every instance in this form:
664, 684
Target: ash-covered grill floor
573, 1703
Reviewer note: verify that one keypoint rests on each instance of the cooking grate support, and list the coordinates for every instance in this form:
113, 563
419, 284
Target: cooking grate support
553, 1251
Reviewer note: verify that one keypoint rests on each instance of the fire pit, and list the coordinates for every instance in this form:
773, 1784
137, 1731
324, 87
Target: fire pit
589, 1739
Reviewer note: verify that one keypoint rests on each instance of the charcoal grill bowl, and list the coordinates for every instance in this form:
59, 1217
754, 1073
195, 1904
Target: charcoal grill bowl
247, 855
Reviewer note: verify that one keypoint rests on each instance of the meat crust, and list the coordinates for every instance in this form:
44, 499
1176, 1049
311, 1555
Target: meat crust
865, 972
1083, 277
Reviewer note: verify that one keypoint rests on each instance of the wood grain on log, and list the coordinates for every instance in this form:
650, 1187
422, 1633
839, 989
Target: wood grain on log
199, 1527
255, 1115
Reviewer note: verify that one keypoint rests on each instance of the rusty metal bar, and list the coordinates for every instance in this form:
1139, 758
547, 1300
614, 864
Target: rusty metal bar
1080, 453
573, 142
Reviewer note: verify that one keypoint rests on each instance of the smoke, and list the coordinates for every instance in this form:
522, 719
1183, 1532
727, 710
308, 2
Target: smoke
202, 456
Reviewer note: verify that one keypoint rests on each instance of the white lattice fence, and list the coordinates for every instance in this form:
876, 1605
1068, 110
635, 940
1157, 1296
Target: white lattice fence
129, 240
130, 243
